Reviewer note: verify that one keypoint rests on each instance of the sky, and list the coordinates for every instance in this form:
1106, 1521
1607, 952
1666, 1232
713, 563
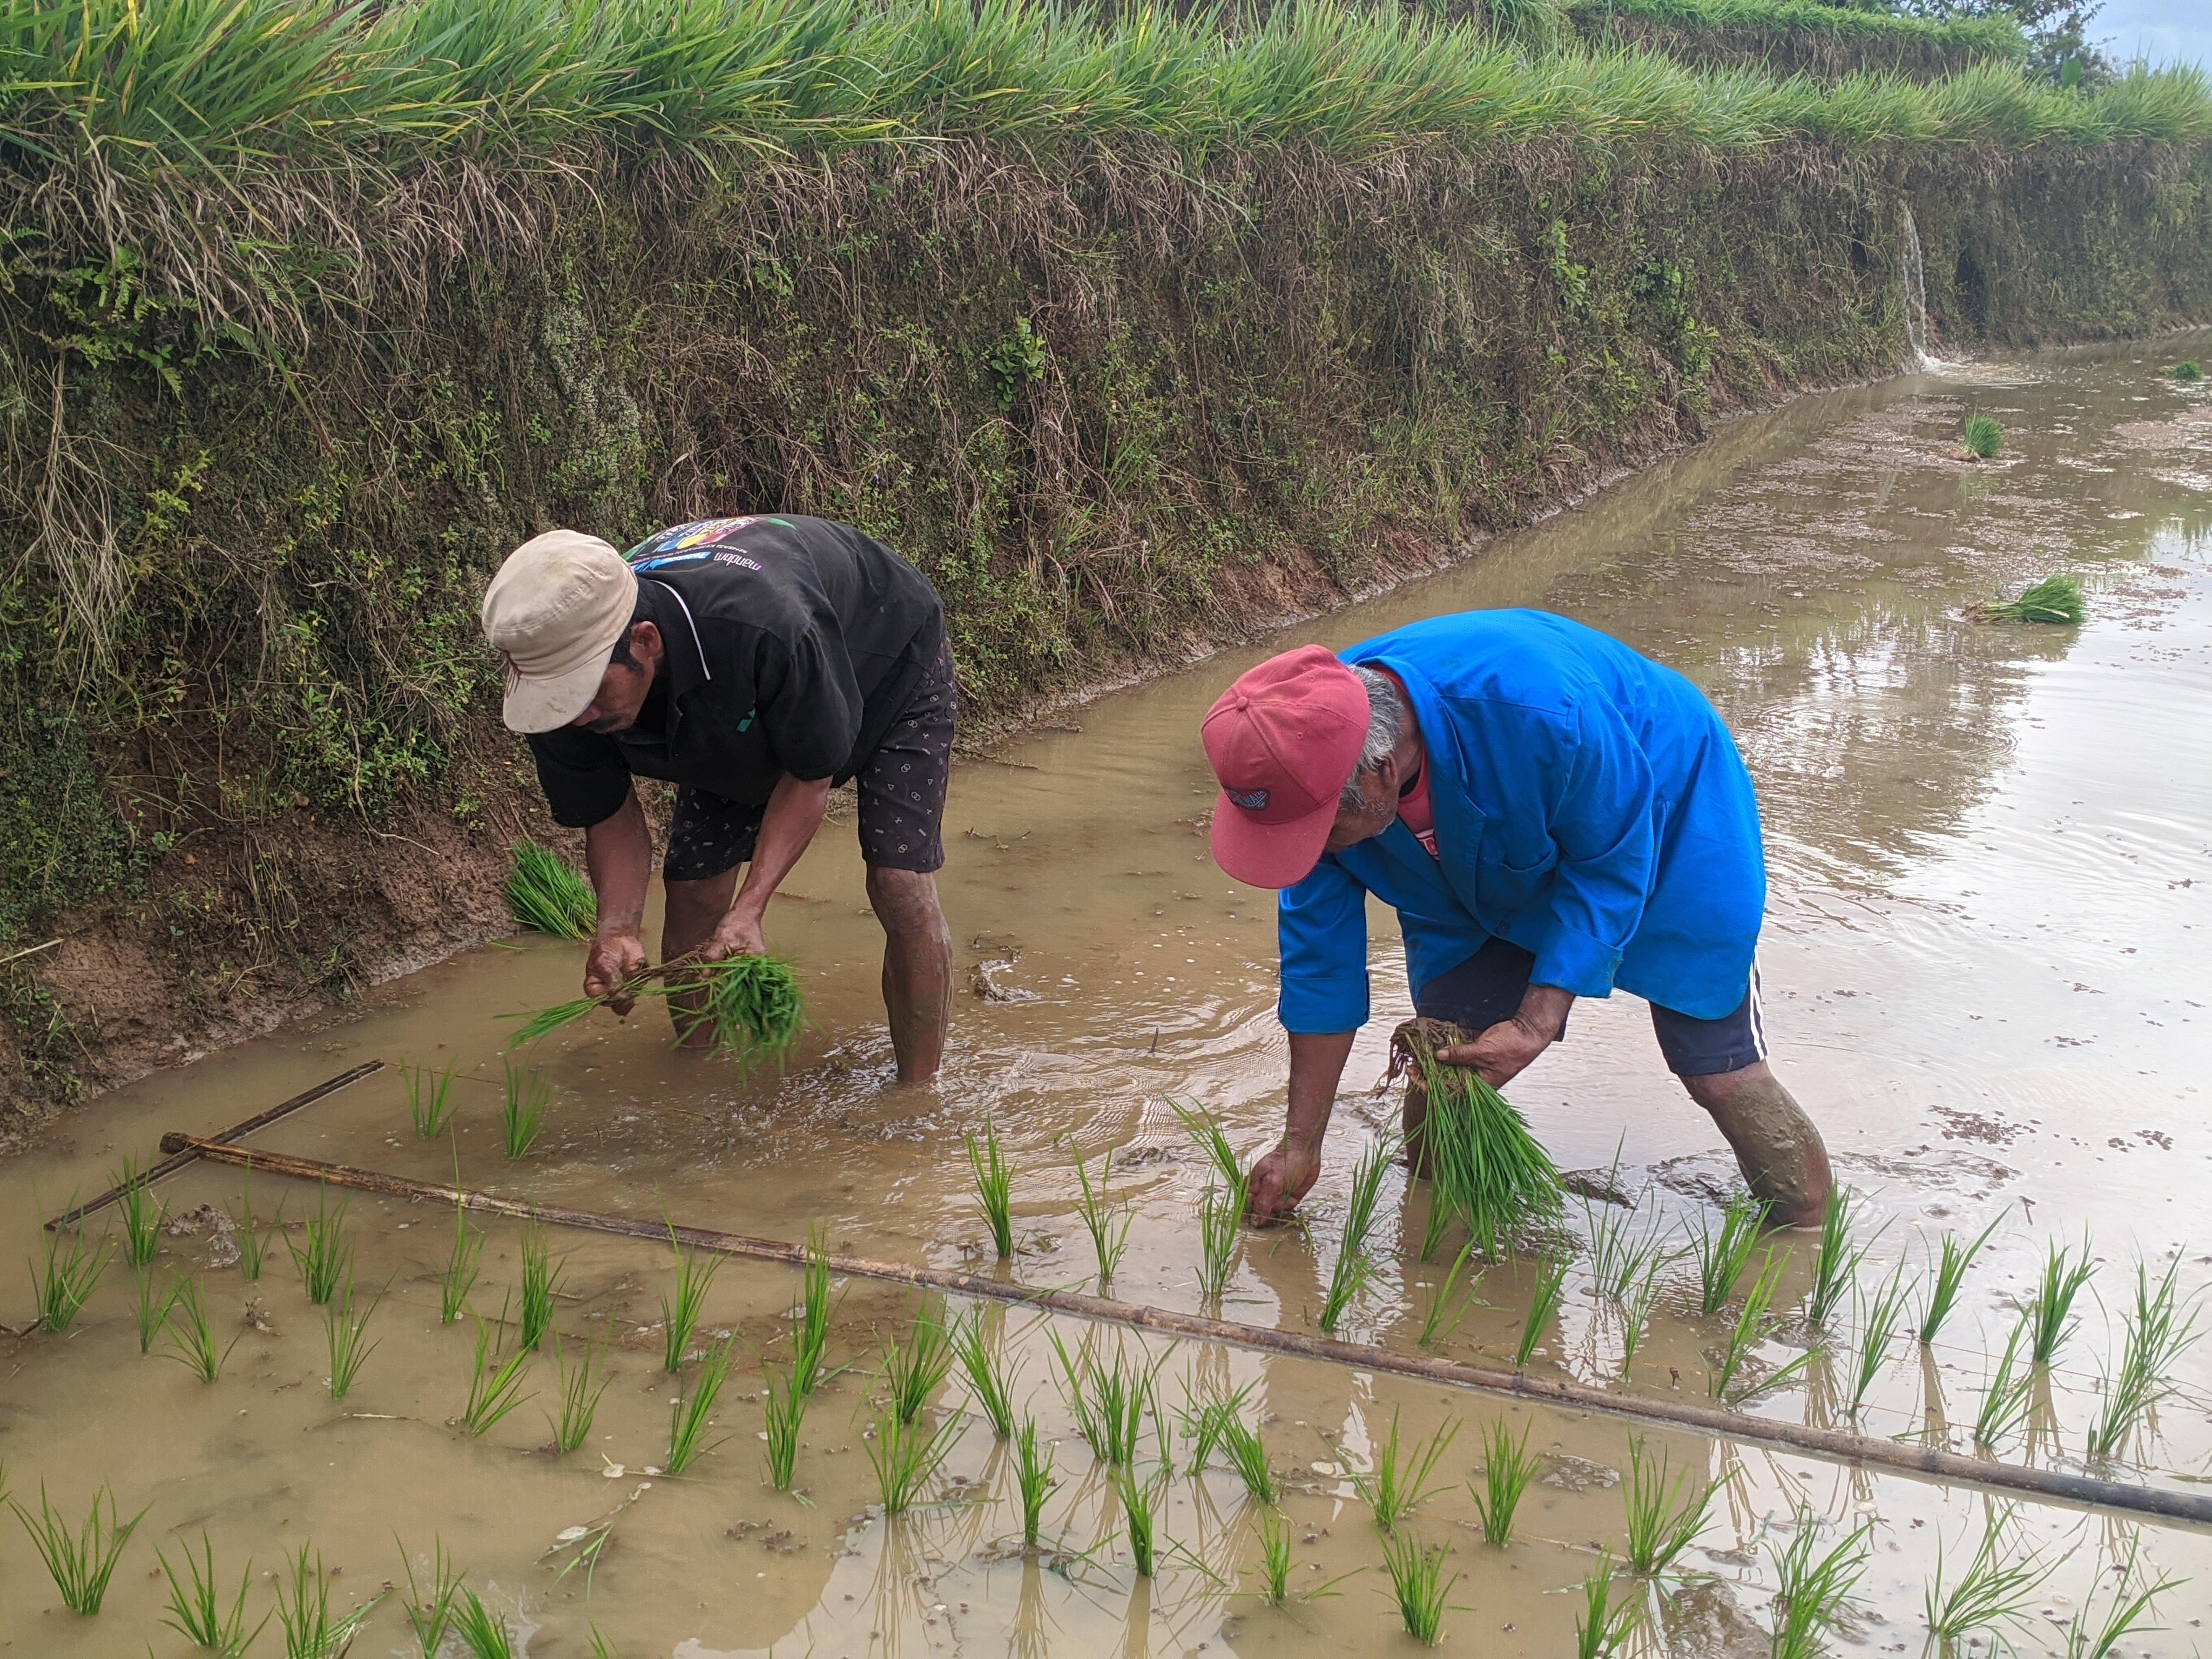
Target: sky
2164, 31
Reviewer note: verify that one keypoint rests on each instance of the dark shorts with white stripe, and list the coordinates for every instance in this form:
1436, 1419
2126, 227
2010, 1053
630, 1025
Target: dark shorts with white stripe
1488, 985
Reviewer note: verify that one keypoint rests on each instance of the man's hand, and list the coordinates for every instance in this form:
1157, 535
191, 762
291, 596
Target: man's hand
1503, 1053
1279, 1180
738, 934
616, 959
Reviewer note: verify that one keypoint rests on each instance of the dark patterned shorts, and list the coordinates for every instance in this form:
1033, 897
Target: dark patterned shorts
902, 790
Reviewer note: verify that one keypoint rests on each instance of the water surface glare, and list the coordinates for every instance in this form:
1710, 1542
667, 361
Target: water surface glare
1992, 857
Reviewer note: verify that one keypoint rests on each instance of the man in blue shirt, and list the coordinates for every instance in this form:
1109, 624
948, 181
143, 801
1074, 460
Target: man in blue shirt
1553, 816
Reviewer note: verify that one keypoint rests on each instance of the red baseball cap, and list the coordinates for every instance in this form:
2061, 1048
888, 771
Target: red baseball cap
1284, 740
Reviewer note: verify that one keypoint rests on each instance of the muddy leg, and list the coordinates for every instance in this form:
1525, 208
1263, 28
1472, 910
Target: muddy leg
917, 967
1776, 1145
696, 909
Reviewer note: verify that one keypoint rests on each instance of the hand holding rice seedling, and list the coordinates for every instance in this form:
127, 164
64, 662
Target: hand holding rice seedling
1485, 1166
751, 1003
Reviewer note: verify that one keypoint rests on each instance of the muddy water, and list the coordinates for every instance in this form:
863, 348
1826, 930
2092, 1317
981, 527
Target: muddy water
1992, 850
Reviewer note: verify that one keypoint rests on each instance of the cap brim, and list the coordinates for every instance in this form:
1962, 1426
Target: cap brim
1269, 854
549, 703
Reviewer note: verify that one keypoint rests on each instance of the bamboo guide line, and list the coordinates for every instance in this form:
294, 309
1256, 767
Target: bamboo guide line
170, 1165
1831, 1444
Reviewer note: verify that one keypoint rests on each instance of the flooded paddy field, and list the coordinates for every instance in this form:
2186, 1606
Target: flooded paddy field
1991, 851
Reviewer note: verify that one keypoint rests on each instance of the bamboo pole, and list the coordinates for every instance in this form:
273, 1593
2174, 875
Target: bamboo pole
171, 1165
1832, 1444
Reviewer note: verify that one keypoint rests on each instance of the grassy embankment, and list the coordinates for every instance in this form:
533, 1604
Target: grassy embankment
1126, 333
1800, 37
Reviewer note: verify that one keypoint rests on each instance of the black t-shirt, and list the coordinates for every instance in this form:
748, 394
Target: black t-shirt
792, 644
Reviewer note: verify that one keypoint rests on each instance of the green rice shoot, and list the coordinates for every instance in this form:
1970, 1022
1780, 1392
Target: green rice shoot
1603, 1624
1436, 1327
2000, 1587
2006, 1394
430, 1617
1984, 436
325, 1259
1246, 1448
2159, 1329
1484, 1165
1419, 1585
994, 1188
1032, 1478
541, 1283
2186, 371
494, 1388
2093, 1635
1390, 1492
694, 1412
245, 1232
1140, 1509
1109, 1404
1507, 1469
989, 1373
786, 1409
1109, 1227
192, 1331
679, 1315
1879, 1318
152, 1307
905, 1458
528, 1096
429, 1105
1543, 1309
1836, 1264
1815, 1589
810, 1342
1722, 1254
1354, 1269
347, 1331
2052, 1310
2055, 600
541, 892
580, 1388
81, 1563
752, 1005
913, 1369
1736, 1380
458, 1276
484, 1633
68, 1272
1664, 1519
143, 1215
196, 1607
303, 1612
1948, 1278
1274, 1558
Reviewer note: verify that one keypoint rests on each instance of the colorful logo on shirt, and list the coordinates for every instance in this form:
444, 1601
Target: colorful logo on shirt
1252, 800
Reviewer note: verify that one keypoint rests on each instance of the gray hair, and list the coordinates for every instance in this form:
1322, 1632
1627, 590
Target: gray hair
1386, 713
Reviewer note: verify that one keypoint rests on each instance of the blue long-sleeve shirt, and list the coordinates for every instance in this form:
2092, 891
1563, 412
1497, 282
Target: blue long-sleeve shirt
1589, 807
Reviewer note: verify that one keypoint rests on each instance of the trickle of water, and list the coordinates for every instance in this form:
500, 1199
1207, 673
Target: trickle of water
1912, 274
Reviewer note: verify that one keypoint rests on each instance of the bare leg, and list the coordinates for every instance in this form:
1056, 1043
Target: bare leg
917, 967
695, 909
1776, 1147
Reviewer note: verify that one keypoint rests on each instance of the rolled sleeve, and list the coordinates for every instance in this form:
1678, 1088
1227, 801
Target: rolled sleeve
1603, 825
1321, 926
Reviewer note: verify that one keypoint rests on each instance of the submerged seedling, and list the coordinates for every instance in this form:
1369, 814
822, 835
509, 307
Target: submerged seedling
325, 1259
1391, 1492
1354, 1270
522, 1111
428, 1106
1419, 1585
1722, 1252
990, 1374
694, 1411
1663, 1519
580, 1388
1032, 1478
2051, 1312
1109, 1227
1507, 1469
143, 1214
1543, 1309
994, 1188
1948, 1278
197, 1611
81, 1563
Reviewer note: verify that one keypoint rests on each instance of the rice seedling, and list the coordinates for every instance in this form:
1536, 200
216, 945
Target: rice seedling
1390, 1492
346, 1330
1220, 1224
2159, 1331
66, 1279
303, 1612
913, 1369
1543, 1309
1139, 1510
2006, 1394
1664, 1520
1984, 436
252, 1244
580, 1388
2052, 1310
191, 1331
1246, 1450
2092, 1635
1274, 1558
1032, 1478
542, 892
2055, 600
1636, 1312
1484, 1165
1208, 1133
990, 1374
905, 1458
1722, 1254
1109, 1228
1733, 1380
679, 1317
152, 1307
430, 1108
1947, 1280
494, 1389
1621, 1255
1879, 1318
1603, 1626
1507, 1469
1837, 1263
1434, 1327
601, 1648
484, 1633
1109, 1404
2186, 371
694, 1411
994, 1188
1203, 1420
1997, 1587
541, 1283
1354, 1269
430, 1618
810, 1343
785, 1408
1814, 1589
325, 1259
1419, 1584
81, 1563
143, 1215
522, 1111
458, 1276
196, 1605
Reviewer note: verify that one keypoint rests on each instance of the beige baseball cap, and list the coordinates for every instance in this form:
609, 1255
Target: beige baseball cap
555, 613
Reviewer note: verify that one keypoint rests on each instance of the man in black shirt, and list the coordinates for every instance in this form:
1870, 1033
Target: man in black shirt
754, 663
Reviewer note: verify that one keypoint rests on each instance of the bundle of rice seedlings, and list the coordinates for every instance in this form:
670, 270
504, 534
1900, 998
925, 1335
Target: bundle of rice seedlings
2056, 600
1485, 1164
752, 1005
542, 892
2186, 370
1984, 436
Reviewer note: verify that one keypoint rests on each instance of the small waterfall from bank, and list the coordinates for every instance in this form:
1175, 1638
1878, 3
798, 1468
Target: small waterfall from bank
1914, 277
